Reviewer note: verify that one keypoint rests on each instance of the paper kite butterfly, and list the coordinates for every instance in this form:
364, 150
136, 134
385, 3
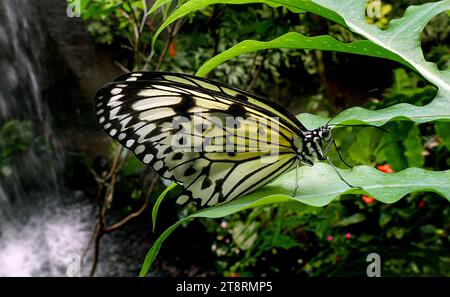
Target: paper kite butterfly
215, 140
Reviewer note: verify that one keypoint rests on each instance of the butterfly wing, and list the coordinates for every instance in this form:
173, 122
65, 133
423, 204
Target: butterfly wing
176, 124
213, 87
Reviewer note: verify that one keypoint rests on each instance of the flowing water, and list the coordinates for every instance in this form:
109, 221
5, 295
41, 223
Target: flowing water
43, 226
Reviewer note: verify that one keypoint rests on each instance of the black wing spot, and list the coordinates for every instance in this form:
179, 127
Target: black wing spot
236, 110
190, 171
221, 198
154, 132
133, 121
182, 140
205, 170
232, 154
206, 183
168, 150
177, 156
187, 102
219, 184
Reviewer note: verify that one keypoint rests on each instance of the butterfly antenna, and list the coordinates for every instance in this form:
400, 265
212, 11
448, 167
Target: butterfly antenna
332, 118
339, 154
375, 91
363, 126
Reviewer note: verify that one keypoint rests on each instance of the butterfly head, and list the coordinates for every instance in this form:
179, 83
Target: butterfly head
324, 133
317, 143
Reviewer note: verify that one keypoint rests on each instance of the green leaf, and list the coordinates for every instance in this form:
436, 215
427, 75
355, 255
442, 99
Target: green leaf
151, 255
438, 109
284, 241
402, 37
396, 232
351, 220
401, 40
158, 203
387, 188
443, 130
414, 148
363, 148
132, 164
294, 6
428, 229
245, 235
384, 219
365, 238
158, 4
295, 40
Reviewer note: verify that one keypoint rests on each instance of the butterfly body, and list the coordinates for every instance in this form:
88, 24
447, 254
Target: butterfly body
218, 141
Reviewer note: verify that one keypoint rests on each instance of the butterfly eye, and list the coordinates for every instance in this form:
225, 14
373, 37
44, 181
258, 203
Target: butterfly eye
325, 133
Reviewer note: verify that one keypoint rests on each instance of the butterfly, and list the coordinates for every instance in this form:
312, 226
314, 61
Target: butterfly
217, 141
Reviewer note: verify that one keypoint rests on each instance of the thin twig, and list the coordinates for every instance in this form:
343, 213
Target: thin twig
257, 72
144, 16
133, 215
166, 48
122, 67
107, 182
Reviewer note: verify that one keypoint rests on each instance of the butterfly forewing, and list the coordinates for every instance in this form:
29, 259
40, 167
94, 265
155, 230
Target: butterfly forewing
211, 87
215, 140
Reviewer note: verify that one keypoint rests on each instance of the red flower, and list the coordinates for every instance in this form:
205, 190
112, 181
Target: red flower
386, 168
172, 49
367, 199
348, 235
330, 238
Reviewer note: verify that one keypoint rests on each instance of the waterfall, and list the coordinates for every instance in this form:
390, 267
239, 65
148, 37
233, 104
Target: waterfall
22, 44
42, 225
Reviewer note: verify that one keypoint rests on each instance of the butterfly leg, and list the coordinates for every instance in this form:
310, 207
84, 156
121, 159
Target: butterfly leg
302, 160
340, 176
296, 178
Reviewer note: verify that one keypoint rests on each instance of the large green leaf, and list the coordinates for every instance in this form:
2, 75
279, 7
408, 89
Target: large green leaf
400, 42
402, 37
438, 109
319, 185
295, 40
